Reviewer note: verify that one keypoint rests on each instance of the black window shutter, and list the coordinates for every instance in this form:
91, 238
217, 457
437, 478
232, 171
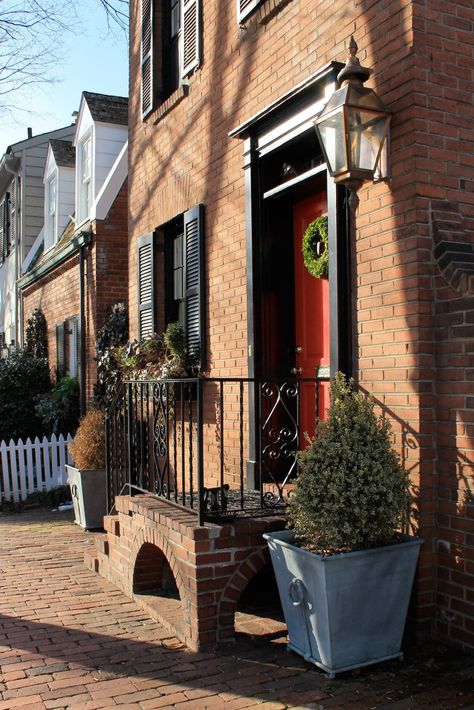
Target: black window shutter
60, 349
3, 240
76, 339
146, 285
191, 29
245, 8
194, 276
147, 27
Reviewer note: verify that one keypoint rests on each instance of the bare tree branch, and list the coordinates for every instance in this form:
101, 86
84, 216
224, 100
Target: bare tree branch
30, 38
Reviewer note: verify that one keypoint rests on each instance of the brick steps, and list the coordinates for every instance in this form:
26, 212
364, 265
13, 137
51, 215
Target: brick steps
187, 577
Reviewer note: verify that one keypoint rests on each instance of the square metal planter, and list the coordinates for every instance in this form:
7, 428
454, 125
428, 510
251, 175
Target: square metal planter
348, 610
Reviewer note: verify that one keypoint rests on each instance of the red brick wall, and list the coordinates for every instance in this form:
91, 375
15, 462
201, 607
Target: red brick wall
106, 279
57, 295
422, 53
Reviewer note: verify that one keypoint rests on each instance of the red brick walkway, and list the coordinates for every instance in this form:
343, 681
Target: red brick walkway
68, 639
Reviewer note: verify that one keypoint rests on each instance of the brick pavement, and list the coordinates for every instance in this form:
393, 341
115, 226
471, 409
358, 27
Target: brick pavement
68, 639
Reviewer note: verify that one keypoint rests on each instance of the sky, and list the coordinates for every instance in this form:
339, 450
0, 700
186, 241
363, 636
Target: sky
94, 59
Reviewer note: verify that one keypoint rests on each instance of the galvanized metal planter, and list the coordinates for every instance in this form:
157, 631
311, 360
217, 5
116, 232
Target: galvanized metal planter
88, 491
347, 610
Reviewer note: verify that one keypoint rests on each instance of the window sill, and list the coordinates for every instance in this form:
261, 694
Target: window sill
167, 105
269, 9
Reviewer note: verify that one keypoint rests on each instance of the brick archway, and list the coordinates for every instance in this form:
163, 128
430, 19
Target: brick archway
150, 548
254, 563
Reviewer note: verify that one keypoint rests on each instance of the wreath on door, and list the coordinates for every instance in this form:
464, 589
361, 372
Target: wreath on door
315, 248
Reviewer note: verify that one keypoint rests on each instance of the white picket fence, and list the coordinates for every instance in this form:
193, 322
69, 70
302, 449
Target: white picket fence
32, 467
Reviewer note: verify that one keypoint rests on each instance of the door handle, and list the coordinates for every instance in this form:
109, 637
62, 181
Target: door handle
296, 371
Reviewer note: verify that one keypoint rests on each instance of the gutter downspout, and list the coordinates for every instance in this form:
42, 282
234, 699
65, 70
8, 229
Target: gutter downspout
83, 241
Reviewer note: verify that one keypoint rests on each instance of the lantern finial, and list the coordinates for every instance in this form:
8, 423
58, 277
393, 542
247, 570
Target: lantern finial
353, 68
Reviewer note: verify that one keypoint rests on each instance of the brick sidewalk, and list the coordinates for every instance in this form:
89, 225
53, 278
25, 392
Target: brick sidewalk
68, 639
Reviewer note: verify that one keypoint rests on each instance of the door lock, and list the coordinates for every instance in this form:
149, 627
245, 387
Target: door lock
296, 370
298, 349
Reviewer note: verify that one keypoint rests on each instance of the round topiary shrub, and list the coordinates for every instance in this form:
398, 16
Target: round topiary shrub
352, 491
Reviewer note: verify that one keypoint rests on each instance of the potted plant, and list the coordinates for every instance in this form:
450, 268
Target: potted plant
87, 478
345, 572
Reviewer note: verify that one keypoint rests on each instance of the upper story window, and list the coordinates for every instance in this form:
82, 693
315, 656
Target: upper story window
85, 182
245, 8
170, 47
5, 232
51, 221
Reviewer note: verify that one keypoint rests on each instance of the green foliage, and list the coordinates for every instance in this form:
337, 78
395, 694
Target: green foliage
36, 335
22, 379
110, 337
316, 234
59, 410
175, 341
155, 357
352, 492
115, 329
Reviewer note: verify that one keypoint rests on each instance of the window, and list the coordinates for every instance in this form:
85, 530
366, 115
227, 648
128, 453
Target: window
85, 185
5, 234
170, 47
51, 212
245, 8
171, 280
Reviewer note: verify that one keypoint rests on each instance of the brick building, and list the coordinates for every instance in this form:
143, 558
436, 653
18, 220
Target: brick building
224, 159
81, 268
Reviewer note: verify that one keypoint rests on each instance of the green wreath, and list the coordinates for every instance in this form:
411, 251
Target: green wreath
315, 262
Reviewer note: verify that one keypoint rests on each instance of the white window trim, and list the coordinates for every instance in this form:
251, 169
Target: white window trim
51, 225
83, 212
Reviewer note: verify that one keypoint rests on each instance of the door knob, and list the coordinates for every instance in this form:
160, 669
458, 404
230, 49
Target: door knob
296, 370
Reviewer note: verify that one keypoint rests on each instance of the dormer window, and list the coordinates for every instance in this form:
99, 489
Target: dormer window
52, 184
51, 221
85, 203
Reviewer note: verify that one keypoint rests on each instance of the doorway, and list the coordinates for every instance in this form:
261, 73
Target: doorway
294, 332
312, 332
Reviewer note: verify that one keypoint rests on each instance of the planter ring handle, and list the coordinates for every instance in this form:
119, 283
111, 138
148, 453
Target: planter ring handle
296, 590
74, 491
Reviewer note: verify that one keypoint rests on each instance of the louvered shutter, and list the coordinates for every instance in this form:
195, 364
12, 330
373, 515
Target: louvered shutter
146, 285
191, 36
3, 240
245, 8
194, 277
12, 213
75, 356
147, 56
60, 349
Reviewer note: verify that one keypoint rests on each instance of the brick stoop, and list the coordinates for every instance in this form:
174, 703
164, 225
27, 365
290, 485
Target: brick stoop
188, 577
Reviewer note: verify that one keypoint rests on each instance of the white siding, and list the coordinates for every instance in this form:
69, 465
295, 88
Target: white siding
110, 140
33, 159
7, 296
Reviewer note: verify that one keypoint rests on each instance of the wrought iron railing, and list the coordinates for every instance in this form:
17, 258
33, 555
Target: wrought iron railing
219, 447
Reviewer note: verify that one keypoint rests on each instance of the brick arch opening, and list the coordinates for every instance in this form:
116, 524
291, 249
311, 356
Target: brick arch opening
258, 611
154, 585
152, 573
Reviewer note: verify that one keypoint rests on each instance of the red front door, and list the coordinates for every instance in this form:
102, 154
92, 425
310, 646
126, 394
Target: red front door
311, 318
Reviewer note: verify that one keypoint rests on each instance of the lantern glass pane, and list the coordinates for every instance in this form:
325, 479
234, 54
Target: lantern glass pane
367, 131
331, 133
